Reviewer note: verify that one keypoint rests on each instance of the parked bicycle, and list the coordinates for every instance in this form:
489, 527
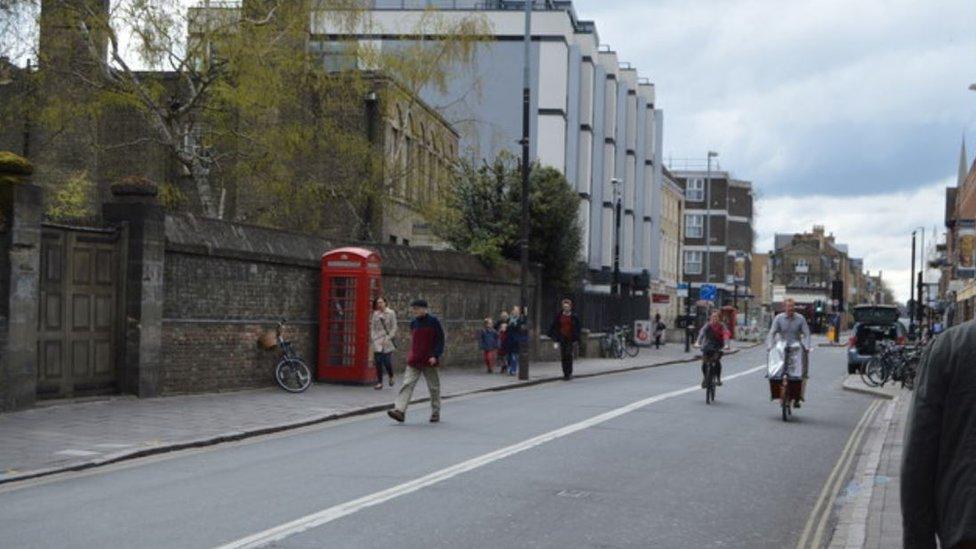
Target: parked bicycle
893, 362
291, 373
618, 342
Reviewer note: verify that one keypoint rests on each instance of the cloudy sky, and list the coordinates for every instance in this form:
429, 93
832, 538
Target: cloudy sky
847, 113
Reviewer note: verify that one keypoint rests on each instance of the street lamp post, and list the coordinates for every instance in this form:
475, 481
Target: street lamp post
911, 288
524, 244
708, 217
921, 275
615, 184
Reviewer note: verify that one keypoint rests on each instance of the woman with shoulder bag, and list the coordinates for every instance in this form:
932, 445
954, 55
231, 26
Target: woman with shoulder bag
383, 330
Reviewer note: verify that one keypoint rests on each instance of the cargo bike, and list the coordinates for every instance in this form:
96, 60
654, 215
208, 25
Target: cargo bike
787, 374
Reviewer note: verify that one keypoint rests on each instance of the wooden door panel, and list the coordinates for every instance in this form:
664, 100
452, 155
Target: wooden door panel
78, 318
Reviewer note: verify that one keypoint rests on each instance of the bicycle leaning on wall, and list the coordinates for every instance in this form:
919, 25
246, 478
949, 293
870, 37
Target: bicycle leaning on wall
291, 373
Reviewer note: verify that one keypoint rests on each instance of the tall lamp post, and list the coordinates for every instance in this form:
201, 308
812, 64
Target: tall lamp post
708, 216
615, 184
911, 289
920, 277
524, 243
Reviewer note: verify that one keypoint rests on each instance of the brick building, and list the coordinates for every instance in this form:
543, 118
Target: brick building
817, 272
726, 260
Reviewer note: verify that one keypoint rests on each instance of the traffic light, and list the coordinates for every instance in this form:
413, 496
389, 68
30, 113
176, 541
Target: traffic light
819, 306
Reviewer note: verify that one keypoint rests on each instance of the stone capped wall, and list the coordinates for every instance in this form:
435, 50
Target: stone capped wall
226, 283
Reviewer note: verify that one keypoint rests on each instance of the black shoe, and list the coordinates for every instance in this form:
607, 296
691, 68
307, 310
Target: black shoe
435, 417
796, 404
719, 383
396, 414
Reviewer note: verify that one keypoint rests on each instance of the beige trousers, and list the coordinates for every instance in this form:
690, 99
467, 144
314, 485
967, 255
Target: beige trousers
410, 379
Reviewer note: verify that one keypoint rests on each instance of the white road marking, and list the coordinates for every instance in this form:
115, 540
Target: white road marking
76, 453
837, 474
335, 512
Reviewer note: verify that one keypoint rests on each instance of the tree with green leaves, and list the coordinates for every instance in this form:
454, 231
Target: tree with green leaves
242, 98
481, 215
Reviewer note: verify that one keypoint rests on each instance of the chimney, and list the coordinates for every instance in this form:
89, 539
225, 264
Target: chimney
64, 23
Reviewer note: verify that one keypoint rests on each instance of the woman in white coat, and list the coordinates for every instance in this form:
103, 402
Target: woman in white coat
382, 331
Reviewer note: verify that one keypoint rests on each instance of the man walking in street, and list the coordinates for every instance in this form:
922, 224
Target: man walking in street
565, 332
938, 474
426, 348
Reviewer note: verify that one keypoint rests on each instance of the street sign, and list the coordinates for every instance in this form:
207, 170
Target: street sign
660, 298
683, 289
708, 292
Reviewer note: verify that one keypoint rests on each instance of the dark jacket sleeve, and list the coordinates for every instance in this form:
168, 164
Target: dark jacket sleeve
577, 328
438, 338
553, 332
921, 451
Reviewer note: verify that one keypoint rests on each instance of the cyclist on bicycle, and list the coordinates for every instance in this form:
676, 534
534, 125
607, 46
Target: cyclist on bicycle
711, 339
793, 329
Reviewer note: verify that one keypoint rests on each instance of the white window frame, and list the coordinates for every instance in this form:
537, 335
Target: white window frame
801, 266
688, 263
695, 190
700, 225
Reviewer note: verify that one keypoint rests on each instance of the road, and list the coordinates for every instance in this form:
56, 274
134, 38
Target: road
627, 460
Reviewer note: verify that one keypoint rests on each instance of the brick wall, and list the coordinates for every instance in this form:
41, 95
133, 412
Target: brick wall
225, 283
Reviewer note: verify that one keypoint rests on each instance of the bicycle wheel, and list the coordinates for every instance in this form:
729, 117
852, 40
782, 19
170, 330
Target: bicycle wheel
631, 348
872, 374
618, 348
785, 402
710, 386
293, 375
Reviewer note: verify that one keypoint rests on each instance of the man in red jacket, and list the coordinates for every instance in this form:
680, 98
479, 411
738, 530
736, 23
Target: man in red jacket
426, 348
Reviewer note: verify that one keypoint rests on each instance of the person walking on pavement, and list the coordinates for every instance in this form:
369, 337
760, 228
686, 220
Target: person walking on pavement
711, 340
565, 332
382, 332
938, 473
659, 330
514, 336
501, 326
426, 348
488, 343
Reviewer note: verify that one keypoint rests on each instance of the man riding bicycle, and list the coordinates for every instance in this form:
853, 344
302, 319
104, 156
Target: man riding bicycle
792, 329
711, 339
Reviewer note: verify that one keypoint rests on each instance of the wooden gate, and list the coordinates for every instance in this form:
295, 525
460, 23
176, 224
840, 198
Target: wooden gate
78, 319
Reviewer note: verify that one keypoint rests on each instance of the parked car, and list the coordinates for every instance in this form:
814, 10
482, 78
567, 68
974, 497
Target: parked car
872, 324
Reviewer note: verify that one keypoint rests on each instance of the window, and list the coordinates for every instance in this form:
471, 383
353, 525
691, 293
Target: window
693, 262
334, 56
801, 280
695, 190
802, 266
694, 225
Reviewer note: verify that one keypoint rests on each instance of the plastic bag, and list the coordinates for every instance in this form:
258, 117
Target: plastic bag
776, 361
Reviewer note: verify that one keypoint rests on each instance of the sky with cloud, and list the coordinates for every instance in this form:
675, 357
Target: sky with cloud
846, 113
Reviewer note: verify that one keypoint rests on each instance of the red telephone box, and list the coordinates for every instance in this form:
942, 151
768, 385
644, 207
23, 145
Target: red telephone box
350, 282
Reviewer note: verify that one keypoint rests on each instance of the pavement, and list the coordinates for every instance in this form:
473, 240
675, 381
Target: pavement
636, 459
75, 435
869, 506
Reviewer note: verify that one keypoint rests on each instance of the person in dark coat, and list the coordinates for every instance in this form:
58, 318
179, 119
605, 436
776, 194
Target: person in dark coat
659, 330
938, 473
565, 332
426, 348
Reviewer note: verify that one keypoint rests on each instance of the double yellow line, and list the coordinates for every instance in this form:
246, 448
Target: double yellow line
813, 532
